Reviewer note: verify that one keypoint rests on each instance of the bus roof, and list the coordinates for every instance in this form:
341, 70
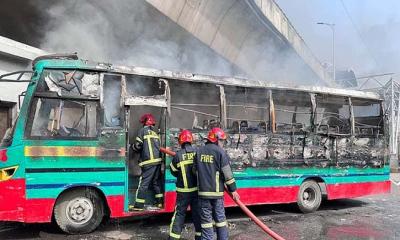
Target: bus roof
193, 77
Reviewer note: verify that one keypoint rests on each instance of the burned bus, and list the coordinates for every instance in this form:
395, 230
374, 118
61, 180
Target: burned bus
68, 158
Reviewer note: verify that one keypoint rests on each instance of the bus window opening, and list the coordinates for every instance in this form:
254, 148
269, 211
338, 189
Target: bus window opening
63, 118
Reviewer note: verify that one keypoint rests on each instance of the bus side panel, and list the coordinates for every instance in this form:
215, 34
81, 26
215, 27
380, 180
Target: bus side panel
38, 210
54, 166
170, 199
356, 182
352, 190
12, 200
267, 195
41, 209
12, 191
116, 205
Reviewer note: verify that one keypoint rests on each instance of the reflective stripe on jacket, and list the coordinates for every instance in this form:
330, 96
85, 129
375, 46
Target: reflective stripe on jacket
181, 167
212, 165
148, 143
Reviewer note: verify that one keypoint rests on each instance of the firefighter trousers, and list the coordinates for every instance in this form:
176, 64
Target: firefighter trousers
150, 179
183, 200
213, 211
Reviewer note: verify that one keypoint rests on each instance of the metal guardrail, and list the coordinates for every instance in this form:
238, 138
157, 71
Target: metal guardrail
19, 74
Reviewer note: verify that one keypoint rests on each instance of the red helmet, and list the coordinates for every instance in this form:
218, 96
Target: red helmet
185, 137
215, 134
147, 119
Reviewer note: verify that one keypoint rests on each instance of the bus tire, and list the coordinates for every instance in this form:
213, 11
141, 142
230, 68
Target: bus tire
309, 196
79, 211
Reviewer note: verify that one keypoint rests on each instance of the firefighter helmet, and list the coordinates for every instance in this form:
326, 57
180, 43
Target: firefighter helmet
216, 134
185, 137
147, 119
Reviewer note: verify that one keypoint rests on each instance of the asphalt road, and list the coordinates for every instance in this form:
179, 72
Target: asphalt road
375, 217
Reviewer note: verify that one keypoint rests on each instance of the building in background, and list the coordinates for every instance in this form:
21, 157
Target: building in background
14, 56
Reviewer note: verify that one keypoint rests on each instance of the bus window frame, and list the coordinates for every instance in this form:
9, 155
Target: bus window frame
53, 95
273, 121
29, 124
350, 118
121, 103
381, 123
218, 114
266, 108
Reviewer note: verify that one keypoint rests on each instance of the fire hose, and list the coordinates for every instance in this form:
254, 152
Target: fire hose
242, 206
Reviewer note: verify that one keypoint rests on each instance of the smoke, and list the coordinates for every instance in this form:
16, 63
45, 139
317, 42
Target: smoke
128, 32
19, 20
135, 33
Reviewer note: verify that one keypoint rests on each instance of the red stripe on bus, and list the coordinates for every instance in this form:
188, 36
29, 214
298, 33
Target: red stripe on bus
274, 195
116, 205
351, 190
249, 196
12, 200
39, 210
14, 206
255, 196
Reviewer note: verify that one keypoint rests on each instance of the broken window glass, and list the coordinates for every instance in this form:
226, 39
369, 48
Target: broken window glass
70, 83
332, 115
60, 118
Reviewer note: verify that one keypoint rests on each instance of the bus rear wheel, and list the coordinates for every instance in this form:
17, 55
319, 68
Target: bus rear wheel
79, 211
309, 196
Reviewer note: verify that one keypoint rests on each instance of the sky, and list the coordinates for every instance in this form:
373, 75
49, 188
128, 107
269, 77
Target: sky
366, 39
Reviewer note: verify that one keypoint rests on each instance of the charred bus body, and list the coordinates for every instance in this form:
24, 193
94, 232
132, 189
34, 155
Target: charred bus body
69, 155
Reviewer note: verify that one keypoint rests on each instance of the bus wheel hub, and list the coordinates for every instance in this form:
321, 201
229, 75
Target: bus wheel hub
306, 196
79, 210
309, 197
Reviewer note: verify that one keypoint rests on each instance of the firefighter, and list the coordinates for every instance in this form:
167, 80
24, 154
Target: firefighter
148, 144
186, 187
212, 165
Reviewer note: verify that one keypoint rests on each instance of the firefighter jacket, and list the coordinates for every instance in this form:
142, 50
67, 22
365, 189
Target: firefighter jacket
212, 165
181, 167
148, 144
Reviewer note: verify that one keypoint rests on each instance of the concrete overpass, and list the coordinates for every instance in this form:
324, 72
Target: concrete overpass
255, 35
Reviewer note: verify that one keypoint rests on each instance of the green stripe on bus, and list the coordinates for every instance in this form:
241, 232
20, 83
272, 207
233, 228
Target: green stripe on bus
73, 162
329, 175
74, 177
54, 193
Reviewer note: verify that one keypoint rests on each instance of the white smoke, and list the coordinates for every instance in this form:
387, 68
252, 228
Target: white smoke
128, 32
135, 33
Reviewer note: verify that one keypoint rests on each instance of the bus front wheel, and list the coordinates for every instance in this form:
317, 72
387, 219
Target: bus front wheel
309, 196
79, 211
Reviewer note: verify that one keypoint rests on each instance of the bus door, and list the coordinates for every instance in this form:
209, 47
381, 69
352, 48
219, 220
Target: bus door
135, 106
